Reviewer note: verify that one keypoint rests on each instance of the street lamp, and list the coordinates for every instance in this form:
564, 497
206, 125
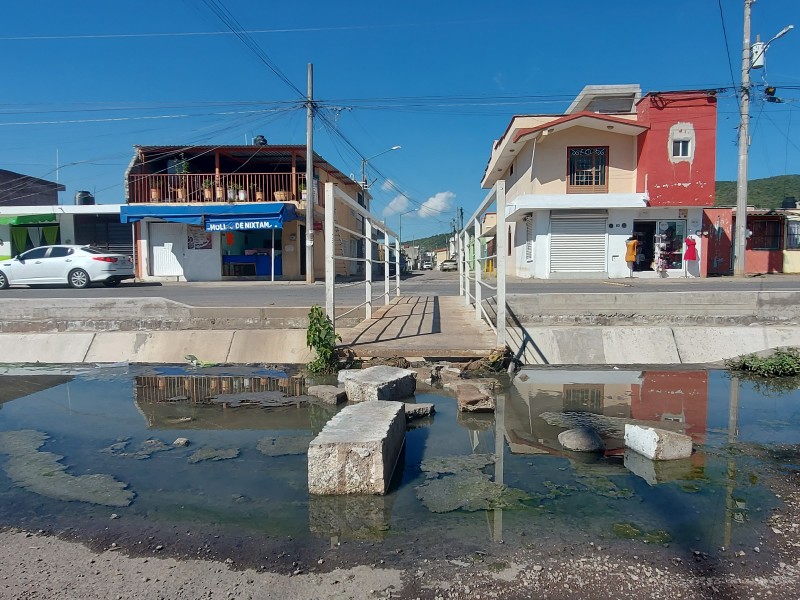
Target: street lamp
364, 162
752, 58
400, 227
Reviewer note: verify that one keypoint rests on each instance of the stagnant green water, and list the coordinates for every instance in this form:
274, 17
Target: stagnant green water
243, 474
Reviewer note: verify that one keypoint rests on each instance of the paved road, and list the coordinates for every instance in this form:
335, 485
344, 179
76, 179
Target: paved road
259, 293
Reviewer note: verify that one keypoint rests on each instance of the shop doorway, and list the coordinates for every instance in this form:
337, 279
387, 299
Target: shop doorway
644, 232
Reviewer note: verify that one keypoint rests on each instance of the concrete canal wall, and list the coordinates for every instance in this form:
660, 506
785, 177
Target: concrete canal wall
652, 328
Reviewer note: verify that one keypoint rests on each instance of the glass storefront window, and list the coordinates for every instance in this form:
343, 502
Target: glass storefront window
672, 235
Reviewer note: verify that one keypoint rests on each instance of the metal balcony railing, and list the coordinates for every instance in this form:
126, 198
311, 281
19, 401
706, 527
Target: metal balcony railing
197, 188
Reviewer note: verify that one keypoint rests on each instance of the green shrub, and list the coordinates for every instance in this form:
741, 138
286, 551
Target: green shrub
321, 337
784, 362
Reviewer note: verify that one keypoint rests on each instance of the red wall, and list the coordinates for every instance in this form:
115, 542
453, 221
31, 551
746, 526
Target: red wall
718, 247
677, 183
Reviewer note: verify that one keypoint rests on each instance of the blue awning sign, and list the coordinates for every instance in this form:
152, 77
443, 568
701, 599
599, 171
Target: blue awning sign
241, 225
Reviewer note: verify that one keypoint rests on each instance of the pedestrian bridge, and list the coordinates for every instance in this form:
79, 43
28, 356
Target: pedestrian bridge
431, 327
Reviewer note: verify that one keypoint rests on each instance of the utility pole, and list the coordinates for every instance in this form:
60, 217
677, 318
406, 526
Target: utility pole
740, 238
310, 177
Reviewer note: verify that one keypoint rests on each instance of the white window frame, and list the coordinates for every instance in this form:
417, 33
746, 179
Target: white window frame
683, 147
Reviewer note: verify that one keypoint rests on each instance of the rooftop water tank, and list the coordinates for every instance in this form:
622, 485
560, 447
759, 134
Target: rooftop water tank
84, 198
789, 202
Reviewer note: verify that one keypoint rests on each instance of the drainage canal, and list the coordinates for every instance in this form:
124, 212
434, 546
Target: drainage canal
91, 454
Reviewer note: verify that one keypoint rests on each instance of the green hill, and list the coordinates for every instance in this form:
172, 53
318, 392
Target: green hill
761, 193
431, 242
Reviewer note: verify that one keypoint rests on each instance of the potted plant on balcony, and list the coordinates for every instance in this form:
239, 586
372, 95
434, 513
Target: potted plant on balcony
257, 192
232, 192
155, 191
280, 195
303, 192
242, 191
181, 170
208, 193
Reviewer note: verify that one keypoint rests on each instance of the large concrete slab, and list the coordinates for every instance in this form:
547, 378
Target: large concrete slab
270, 346
45, 347
630, 345
657, 444
378, 383
357, 450
427, 326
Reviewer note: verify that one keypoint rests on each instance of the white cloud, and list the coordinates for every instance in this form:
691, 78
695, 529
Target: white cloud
388, 185
437, 204
398, 205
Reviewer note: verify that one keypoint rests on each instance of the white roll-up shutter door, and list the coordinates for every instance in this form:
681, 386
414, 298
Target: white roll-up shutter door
167, 241
578, 242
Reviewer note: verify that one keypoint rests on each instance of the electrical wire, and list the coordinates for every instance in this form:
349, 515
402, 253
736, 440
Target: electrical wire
727, 49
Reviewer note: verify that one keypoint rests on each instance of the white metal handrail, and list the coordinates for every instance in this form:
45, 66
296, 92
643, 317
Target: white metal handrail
471, 286
390, 245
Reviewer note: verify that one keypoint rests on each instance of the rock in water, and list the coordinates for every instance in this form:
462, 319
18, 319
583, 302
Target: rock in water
581, 439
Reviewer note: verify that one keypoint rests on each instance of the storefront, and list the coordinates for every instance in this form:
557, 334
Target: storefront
660, 245
210, 243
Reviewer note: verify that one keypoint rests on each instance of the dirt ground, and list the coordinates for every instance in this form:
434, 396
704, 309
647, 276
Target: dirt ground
36, 565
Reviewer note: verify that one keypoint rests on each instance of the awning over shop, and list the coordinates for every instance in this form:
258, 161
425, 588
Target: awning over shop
236, 217
28, 219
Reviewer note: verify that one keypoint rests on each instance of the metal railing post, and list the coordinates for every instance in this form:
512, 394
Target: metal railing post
397, 265
385, 267
368, 266
465, 272
478, 270
330, 268
501, 263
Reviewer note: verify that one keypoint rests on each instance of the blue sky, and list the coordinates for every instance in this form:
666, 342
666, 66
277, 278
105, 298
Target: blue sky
85, 81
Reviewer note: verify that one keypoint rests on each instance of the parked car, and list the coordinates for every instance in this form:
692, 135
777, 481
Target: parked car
427, 265
76, 266
449, 265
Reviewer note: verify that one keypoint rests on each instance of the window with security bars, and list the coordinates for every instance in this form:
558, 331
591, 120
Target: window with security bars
766, 234
587, 170
529, 239
793, 235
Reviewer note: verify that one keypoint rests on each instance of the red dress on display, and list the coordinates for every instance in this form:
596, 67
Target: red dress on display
691, 249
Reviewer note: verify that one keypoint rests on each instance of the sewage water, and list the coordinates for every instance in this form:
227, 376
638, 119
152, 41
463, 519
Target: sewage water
239, 489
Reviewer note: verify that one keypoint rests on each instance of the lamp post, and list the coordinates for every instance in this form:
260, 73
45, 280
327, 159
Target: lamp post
752, 58
400, 226
364, 184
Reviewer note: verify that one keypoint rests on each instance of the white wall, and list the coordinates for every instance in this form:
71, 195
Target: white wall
617, 238
197, 265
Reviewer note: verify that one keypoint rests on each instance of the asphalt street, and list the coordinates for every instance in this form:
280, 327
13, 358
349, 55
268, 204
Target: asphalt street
265, 293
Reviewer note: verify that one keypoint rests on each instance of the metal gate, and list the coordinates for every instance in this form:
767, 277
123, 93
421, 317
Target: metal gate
577, 243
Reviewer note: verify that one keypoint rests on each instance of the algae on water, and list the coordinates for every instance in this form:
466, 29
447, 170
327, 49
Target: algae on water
457, 483
42, 473
213, 454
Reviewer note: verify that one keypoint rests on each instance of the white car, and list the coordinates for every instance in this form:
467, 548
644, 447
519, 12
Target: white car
426, 265
77, 266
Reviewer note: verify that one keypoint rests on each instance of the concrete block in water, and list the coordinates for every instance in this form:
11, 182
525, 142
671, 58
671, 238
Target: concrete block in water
378, 383
474, 398
657, 444
418, 411
329, 394
357, 450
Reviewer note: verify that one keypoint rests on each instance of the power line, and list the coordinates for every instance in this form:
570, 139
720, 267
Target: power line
727, 49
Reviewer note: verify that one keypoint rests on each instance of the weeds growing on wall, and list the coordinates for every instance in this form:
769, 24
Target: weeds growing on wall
321, 338
784, 362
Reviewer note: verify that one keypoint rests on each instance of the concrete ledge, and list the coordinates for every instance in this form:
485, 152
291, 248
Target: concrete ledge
236, 347
656, 345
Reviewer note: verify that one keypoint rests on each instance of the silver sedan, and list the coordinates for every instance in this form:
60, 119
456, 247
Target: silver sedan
76, 266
